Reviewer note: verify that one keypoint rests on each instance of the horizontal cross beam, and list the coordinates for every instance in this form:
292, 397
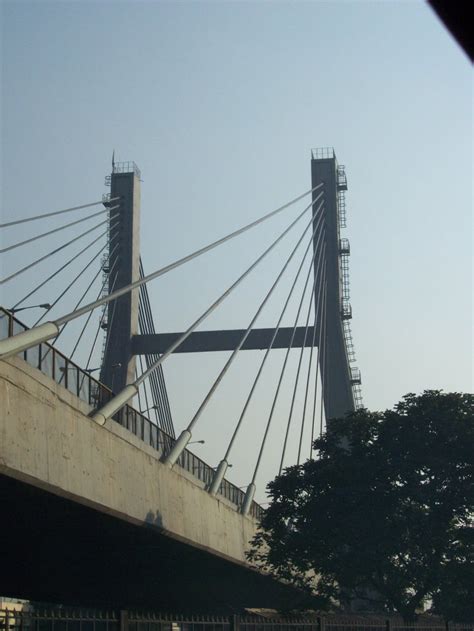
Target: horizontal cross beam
204, 341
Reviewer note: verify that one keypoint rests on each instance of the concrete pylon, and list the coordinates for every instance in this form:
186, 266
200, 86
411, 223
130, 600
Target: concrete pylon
336, 376
118, 367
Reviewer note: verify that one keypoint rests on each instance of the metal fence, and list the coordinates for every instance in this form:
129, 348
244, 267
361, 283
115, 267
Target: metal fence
59, 620
87, 620
79, 382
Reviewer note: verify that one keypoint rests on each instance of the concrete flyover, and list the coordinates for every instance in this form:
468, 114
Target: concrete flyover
91, 516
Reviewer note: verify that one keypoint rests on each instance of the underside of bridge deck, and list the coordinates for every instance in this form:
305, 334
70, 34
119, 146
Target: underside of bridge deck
56, 550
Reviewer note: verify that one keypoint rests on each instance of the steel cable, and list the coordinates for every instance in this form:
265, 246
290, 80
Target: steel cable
290, 345
57, 212
143, 386
320, 327
71, 260
224, 295
251, 487
323, 365
157, 377
138, 392
246, 334
73, 282
270, 346
157, 403
78, 303
109, 327
101, 320
310, 362
127, 393
46, 234
189, 257
299, 362
65, 245
90, 313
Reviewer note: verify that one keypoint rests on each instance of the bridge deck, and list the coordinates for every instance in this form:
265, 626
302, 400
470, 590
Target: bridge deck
93, 515
69, 375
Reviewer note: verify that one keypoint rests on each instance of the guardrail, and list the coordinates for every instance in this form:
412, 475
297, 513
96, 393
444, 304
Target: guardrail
79, 382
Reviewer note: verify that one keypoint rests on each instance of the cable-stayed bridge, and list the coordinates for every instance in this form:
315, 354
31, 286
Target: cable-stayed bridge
117, 492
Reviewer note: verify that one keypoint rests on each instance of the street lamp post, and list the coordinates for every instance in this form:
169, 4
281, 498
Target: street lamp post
152, 407
44, 305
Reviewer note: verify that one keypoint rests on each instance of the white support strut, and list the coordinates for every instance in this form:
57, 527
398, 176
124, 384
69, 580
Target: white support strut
114, 405
178, 448
26, 339
218, 477
248, 499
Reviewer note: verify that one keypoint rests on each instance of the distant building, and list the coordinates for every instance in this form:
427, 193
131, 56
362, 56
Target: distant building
14, 604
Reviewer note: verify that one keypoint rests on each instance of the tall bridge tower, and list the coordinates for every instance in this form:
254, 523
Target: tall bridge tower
126, 337
337, 377
131, 314
118, 367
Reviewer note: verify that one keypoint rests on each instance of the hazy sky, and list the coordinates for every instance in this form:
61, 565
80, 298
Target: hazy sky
219, 103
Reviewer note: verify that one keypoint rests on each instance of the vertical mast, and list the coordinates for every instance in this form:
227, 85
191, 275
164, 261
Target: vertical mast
336, 373
118, 368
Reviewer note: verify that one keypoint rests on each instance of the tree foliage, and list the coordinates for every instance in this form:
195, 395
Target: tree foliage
384, 513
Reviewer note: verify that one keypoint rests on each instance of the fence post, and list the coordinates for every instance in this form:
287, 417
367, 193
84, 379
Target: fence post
7, 620
388, 624
123, 622
234, 623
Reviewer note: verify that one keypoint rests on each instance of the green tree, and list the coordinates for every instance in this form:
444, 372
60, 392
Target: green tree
454, 598
384, 513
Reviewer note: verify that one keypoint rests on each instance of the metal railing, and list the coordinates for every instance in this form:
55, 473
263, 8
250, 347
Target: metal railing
355, 376
126, 167
54, 364
177, 622
59, 620
358, 400
347, 332
341, 209
341, 178
322, 152
344, 276
346, 310
344, 246
91, 620
80, 383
